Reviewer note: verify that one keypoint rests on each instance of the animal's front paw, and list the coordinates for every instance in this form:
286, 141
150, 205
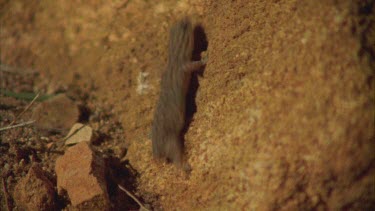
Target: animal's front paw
204, 56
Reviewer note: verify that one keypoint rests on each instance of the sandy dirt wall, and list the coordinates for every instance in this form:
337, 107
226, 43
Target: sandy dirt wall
284, 108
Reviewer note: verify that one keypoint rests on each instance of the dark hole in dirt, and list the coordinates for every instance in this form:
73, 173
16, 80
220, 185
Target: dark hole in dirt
62, 199
101, 137
23, 153
121, 173
200, 45
366, 7
84, 114
200, 42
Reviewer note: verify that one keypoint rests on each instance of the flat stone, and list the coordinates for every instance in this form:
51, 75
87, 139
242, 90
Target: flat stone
81, 173
35, 191
58, 113
79, 133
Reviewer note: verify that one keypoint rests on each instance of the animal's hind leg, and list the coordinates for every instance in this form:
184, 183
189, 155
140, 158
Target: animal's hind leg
157, 150
174, 150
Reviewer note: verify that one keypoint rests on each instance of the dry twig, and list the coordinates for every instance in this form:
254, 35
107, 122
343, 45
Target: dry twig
27, 107
133, 197
10, 69
18, 125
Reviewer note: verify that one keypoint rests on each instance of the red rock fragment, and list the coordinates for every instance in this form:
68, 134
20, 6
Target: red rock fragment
35, 191
82, 174
57, 113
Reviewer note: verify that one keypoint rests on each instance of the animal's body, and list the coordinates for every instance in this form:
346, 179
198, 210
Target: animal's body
169, 116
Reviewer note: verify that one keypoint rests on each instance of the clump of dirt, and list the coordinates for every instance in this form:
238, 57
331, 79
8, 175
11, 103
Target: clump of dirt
282, 117
22, 147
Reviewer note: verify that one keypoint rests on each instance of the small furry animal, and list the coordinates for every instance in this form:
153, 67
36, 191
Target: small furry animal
169, 116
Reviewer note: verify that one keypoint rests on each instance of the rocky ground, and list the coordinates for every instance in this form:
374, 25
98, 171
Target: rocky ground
281, 118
